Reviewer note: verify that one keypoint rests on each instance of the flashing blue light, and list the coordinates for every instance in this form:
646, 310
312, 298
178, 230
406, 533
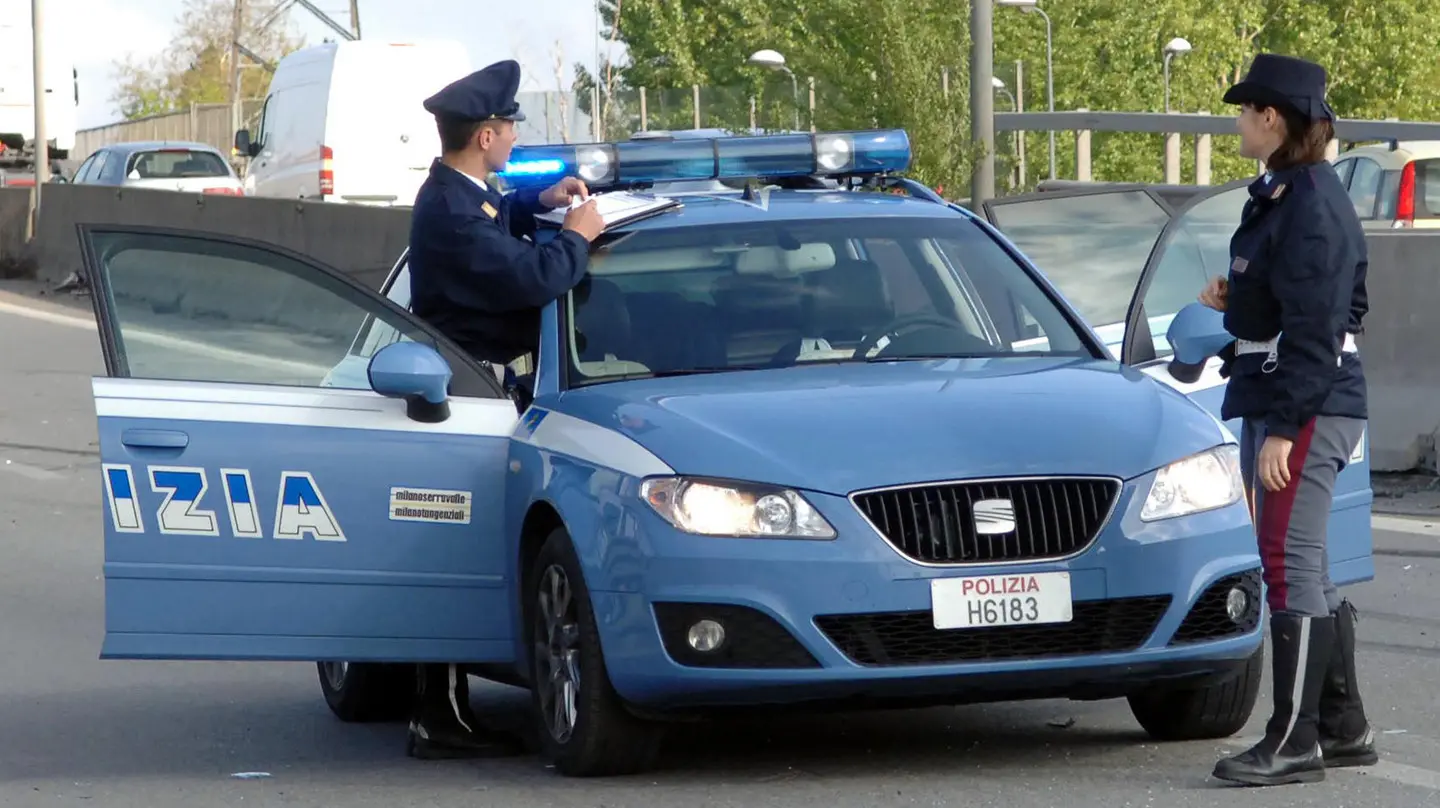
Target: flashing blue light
545, 167
644, 161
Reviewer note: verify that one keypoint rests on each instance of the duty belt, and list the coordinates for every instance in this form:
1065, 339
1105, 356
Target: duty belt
1271, 349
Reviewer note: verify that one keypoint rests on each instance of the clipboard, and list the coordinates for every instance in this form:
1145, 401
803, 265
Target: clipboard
617, 208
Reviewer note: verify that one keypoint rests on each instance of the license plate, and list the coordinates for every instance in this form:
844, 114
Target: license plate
1001, 600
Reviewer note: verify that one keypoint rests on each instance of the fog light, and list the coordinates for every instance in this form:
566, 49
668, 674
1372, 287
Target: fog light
705, 636
1237, 603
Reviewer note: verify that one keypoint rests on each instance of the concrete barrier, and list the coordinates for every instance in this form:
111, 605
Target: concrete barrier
363, 242
14, 213
1400, 347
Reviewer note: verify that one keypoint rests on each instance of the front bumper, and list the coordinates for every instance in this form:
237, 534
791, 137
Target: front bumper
850, 619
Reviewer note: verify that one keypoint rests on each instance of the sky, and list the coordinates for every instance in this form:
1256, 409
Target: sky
104, 31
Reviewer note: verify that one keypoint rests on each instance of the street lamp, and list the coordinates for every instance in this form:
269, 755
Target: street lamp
773, 60
999, 84
1033, 7
1173, 48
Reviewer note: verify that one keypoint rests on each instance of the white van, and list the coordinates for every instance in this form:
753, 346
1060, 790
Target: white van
346, 122
17, 87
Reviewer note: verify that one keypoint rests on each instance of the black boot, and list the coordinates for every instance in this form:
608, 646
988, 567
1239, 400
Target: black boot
443, 726
1290, 750
1346, 736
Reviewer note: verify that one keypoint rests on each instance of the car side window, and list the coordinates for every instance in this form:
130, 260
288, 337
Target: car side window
83, 173
1343, 169
199, 308
1091, 246
1365, 186
97, 171
1196, 249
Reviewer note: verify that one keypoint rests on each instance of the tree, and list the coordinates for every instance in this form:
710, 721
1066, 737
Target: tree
880, 63
877, 62
196, 67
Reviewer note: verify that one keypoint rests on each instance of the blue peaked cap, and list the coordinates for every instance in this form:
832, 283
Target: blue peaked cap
487, 94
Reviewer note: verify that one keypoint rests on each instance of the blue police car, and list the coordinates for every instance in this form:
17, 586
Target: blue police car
813, 436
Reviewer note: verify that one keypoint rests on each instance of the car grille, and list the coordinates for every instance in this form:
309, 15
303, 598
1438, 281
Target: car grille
1052, 518
910, 638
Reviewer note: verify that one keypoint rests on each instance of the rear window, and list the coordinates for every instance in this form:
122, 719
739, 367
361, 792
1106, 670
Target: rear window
175, 164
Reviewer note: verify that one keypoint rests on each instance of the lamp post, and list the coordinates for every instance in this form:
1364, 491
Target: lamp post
1000, 87
42, 138
1033, 7
773, 60
1173, 48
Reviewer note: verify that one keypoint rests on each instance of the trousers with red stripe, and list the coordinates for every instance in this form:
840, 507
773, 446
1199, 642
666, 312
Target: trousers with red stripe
1318, 719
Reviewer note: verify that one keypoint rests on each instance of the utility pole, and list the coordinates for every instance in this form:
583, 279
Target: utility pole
237, 28
982, 100
355, 17
42, 138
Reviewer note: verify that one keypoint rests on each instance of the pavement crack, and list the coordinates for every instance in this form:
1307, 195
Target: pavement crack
1400, 618
35, 447
1397, 648
1401, 553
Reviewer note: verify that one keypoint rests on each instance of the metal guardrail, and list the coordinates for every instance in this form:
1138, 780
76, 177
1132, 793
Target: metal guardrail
1186, 123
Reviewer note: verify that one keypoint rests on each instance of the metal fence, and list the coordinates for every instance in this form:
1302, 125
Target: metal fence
552, 117
212, 124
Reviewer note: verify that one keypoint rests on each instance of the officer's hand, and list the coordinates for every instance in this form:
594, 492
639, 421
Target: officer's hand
585, 220
561, 193
1274, 463
1215, 294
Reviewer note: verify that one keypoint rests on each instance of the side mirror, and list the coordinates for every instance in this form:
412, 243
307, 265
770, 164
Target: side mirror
243, 143
417, 373
1196, 333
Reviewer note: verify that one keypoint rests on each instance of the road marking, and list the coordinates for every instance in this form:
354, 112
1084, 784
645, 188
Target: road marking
37, 313
185, 345
1402, 773
1418, 526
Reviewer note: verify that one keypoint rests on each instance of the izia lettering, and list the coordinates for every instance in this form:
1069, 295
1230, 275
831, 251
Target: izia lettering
301, 511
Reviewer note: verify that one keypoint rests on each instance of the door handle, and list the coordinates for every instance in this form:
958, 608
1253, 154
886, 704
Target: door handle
154, 439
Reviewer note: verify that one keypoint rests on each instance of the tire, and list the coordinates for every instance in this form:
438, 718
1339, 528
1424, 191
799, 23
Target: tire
1191, 714
367, 692
600, 737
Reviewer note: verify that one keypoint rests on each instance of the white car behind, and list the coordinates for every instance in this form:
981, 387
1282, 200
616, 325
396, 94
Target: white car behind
164, 165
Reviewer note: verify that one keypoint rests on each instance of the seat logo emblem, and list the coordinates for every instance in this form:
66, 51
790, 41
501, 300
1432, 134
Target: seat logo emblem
994, 516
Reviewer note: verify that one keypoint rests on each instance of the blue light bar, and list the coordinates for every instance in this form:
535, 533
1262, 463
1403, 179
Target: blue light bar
652, 160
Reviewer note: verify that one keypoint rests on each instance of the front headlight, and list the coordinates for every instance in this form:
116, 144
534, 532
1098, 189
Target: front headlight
1201, 482
739, 510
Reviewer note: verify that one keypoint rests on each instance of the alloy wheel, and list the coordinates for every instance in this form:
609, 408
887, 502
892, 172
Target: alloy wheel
557, 652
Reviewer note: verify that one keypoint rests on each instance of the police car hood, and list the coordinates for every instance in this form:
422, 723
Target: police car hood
841, 427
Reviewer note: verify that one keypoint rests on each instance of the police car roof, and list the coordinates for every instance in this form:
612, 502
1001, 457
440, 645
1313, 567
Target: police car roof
787, 205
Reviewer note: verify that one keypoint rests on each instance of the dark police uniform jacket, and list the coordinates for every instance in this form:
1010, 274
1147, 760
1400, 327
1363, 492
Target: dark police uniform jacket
472, 274
1297, 269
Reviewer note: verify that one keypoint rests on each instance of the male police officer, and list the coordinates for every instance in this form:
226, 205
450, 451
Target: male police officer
474, 272
476, 276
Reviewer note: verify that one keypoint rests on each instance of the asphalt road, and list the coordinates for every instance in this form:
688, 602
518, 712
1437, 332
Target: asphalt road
75, 730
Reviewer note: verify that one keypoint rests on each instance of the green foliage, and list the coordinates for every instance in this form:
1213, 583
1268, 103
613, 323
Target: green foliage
196, 67
880, 63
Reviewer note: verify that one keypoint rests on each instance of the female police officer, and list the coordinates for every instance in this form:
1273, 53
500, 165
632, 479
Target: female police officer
1294, 299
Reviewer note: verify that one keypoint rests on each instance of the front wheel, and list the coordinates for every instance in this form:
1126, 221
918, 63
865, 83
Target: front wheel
1217, 710
584, 728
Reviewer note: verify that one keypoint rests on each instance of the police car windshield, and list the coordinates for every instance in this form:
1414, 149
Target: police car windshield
731, 297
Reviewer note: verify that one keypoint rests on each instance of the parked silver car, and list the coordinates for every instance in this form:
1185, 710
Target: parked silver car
164, 165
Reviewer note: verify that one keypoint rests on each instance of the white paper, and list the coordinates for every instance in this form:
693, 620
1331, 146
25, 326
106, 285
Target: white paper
614, 206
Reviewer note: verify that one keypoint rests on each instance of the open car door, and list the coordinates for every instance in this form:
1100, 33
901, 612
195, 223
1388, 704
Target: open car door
1193, 248
1091, 243
259, 502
